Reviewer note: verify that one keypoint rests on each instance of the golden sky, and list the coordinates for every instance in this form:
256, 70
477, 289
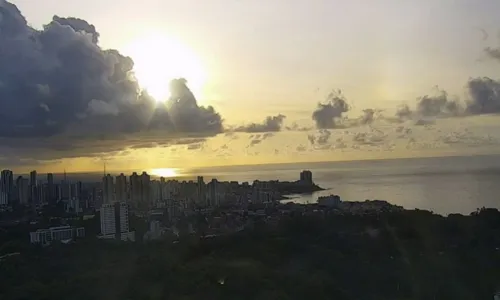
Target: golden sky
250, 60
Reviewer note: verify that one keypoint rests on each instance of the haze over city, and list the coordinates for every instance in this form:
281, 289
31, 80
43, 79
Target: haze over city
83, 83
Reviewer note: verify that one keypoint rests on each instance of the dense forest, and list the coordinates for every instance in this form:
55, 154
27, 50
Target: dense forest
404, 255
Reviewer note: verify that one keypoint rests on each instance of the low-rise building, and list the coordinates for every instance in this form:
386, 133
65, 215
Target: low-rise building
331, 201
61, 233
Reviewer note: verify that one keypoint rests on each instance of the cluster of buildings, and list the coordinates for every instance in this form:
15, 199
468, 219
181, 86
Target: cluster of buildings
34, 192
115, 196
144, 194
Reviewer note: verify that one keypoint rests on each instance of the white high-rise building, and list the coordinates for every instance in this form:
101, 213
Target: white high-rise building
115, 223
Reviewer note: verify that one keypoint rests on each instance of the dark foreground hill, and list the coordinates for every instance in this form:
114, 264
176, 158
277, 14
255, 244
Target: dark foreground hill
404, 255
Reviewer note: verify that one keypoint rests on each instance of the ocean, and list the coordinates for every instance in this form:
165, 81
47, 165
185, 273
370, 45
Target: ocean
443, 185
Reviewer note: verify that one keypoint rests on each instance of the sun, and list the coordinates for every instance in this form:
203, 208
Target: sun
159, 59
165, 172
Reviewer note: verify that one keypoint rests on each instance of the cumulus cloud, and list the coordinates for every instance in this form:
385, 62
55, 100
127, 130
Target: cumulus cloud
58, 83
484, 96
368, 116
270, 124
327, 115
437, 105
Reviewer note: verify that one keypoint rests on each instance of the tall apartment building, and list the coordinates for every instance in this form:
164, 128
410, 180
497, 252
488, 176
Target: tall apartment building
121, 188
145, 189
6, 187
306, 177
23, 190
135, 188
33, 179
115, 223
51, 190
108, 189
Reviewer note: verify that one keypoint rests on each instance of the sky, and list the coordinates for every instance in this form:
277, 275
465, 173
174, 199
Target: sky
277, 81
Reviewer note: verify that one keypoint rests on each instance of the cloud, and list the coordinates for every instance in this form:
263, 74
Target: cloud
484, 96
255, 142
297, 127
301, 148
197, 146
368, 116
375, 138
57, 83
270, 124
404, 112
320, 138
493, 52
258, 138
98, 107
327, 115
424, 122
484, 33
437, 105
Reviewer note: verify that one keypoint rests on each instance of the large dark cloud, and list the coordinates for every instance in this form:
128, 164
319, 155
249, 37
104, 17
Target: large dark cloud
58, 82
327, 115
270, 124
484, 92
484, 96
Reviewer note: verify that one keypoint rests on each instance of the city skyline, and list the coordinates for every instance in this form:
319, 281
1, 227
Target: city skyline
253, 87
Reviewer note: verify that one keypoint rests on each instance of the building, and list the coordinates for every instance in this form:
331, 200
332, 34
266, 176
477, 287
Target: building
213, 193
64, 190
108, 189
7, 187
51, 190
62, 233
145, 190
306, 177
33, 180
155, 231
201, 192
155, 190
115, 223
135, 188
162, 188
330, 201
121, 188
23, 190
4, 199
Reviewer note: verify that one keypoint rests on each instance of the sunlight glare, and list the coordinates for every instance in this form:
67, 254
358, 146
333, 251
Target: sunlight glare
159, 59
165, 172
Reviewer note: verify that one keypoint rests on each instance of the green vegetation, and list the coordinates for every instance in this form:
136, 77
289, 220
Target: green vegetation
406, 255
